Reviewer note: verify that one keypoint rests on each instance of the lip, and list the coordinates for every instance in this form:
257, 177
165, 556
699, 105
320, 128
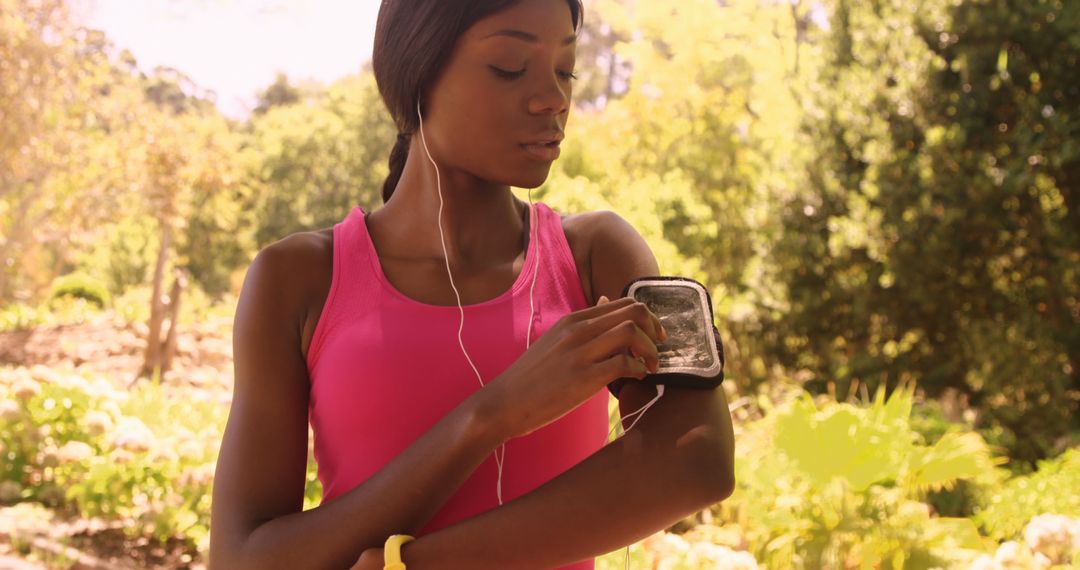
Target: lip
546, 152
547, 138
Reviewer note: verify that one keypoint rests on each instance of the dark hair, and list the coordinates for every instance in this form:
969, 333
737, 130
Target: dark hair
413, 39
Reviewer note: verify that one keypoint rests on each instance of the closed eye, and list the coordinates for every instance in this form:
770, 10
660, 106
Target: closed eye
511, 75
505, 74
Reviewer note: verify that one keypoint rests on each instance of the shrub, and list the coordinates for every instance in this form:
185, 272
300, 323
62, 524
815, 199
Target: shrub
81, 286
842, 485
20, 316
142, 457
1052, 489
145, 457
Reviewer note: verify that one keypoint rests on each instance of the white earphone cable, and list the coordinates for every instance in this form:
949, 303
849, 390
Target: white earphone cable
499, 457
534, 233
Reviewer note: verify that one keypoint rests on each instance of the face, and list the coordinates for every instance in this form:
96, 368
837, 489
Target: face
503, 93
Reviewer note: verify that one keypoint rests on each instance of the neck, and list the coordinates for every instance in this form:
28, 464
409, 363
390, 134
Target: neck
482, 221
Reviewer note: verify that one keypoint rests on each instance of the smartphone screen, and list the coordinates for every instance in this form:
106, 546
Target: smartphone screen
681, 313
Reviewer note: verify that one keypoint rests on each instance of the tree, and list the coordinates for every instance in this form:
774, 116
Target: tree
699, 146
57, 160
939, 234
280, 93
311, 162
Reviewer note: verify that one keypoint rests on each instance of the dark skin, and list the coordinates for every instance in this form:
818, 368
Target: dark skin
678, 459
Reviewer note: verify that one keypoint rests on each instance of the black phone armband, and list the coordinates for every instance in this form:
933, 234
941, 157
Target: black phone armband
693, 355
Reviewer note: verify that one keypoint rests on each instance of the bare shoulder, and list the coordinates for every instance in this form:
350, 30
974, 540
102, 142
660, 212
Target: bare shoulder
298, 261
617, 253
298, 269
607, 249
577, 229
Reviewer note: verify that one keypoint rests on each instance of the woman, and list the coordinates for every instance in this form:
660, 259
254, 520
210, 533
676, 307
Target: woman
480, 430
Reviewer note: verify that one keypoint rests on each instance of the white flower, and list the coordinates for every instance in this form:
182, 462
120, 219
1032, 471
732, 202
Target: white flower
97, 422
1051, 536
133, 435
985, 562
10, 411
26, 388
202, 475
50, 456
1012, 555
121, 456
706, 555
663, 546
75, 451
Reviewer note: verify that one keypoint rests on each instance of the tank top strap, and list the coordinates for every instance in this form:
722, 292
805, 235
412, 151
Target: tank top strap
558, 258
352, 285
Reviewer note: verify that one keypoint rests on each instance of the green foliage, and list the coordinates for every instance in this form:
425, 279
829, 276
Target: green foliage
134, 305
63, 310
1052, 489
876, 192
82, 286
841, 484
20, 316
311, 162
617, 560
937, 238
144, 457
124, 253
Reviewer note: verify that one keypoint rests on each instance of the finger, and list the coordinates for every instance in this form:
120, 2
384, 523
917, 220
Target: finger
659, 333
600, 309
625, 337
645, 348
655, 328
620, 365
628, 310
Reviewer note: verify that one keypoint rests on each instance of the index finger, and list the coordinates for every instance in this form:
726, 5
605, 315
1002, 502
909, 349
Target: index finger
602, 309
658, 328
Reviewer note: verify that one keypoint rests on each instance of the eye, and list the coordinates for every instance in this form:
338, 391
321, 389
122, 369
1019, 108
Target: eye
504, 74
511, 75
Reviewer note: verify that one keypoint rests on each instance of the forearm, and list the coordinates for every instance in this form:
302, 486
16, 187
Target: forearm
399, 498
631, 488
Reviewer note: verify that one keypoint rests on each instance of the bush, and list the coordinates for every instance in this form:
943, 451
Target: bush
79, 444
1052, 489
145, 457
81, 286
20, 316
842, 485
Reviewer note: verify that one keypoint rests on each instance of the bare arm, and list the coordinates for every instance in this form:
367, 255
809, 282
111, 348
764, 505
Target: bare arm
677, 460
662, 470
258, 492
256, 515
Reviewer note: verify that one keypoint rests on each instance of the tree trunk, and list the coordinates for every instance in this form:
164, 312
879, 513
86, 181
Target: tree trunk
152, 359
179, 284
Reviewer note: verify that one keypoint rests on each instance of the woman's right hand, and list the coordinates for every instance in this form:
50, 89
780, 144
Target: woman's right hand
574, 359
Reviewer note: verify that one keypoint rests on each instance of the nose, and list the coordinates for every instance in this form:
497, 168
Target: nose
551, 97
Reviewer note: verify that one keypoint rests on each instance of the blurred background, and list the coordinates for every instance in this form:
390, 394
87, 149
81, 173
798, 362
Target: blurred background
882, 195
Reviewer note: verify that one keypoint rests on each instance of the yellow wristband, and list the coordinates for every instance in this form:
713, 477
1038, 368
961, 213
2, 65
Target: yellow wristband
392, 552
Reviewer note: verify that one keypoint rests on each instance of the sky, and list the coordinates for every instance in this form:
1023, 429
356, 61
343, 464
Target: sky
237, 47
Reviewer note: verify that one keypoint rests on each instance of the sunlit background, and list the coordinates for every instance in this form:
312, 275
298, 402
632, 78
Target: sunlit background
235, 48
883, 197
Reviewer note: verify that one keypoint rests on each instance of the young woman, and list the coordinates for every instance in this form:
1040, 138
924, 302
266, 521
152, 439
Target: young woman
452, 348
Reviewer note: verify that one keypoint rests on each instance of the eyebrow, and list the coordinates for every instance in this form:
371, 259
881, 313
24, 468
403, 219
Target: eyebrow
526, 36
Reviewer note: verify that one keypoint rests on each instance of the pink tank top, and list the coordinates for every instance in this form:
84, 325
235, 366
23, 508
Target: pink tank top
385, 368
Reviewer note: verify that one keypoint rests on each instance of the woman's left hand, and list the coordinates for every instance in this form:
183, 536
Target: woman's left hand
371, 559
